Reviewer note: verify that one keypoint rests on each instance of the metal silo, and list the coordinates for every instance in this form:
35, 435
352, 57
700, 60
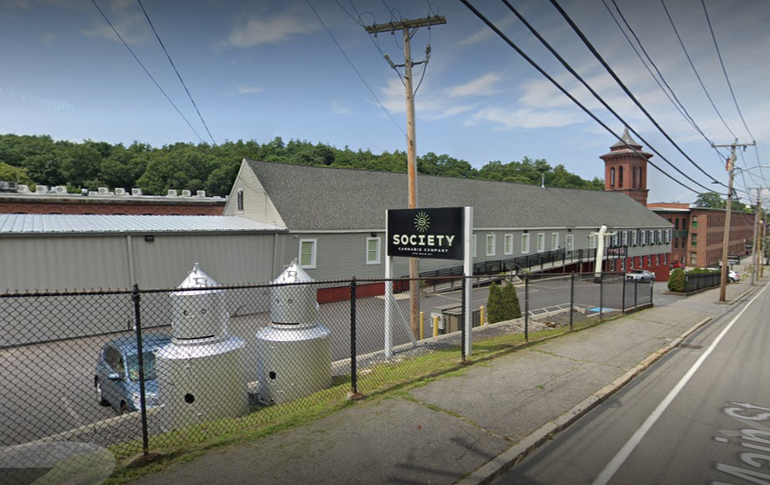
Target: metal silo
294, 351
200, 373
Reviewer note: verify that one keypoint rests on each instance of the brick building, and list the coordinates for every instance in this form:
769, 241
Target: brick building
699, 232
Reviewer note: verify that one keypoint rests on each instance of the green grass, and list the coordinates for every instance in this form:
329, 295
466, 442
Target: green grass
379, 381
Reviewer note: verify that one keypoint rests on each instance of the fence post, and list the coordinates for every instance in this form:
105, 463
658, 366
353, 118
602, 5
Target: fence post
422, 325
571, 298
481, 320
354, 394
136, 298
652, 284
601, 296
462, 323
526, 308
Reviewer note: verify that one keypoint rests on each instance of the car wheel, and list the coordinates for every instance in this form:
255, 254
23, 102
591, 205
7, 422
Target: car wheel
124, 408
100, 394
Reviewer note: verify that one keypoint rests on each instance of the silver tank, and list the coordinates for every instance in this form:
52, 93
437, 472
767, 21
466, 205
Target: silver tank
201, 380
293, 300
198, 314
293, 361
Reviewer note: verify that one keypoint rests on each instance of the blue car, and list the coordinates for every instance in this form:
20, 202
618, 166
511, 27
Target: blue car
116, 379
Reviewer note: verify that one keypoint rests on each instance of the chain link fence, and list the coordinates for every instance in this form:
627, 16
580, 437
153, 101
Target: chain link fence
135, 371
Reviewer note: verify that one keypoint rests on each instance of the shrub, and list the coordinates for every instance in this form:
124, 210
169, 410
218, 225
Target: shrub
676, 282
495, 310
511, 302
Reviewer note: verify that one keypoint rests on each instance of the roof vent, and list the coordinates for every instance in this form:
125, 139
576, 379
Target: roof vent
60, 189
171, 193
136, 191
24, 189
186, 193
201, 193
42, 189
104, 191
120, 191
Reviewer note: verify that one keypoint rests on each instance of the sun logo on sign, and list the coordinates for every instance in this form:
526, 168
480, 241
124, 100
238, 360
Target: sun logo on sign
422, 221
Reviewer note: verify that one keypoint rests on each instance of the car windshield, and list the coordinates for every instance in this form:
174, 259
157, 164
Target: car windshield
149, 367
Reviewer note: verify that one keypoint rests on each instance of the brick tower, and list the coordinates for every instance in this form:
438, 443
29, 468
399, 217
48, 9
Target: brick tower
625, 169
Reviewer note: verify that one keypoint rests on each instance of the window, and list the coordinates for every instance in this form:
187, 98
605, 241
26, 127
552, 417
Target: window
620, 177
649, 260
694, 222
240, 200
676, 243
570, 242
372, 250
631, 263
508, 244
623, 264
524, 243
540, 242
592, 241
694, 259
659, 237
554, 240
612, 265
665, 258
624, 241
612, 177
307, 248
473, 245
490, 244
693, 239
676, 223
642, 238
657, 260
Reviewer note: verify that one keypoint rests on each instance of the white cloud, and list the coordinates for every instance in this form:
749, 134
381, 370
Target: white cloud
270, 29
250, 89
127, 19
524, 118
339, 109
481, 86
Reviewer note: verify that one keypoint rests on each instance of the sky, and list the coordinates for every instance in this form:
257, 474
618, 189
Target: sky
308, 70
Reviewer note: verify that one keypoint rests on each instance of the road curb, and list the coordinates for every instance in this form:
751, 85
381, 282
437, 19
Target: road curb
506, 460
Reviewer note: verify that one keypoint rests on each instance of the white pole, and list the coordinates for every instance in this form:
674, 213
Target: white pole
467, 272
389, 299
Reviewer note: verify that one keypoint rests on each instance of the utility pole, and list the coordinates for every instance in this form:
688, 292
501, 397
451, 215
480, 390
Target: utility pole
726, 241
757, 237
409, 27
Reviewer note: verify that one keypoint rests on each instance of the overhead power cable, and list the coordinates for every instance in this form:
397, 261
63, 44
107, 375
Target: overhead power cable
145, 69
697, 74
168, 56
569, 68
562, 89
724, 70
628, 91
354, 67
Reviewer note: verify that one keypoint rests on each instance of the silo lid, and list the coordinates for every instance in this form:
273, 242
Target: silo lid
197, 279
293, 274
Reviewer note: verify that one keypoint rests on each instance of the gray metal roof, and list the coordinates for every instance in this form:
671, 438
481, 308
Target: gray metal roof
626, 140
112, 224
312, 198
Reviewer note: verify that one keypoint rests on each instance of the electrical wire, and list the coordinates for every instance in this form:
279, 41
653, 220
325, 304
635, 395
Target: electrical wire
145, 69
354, 67
697, 74
562, 89
724, 70
177, 72
569, 68
628, 91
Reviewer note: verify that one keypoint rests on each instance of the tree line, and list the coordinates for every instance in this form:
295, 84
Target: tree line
38, 159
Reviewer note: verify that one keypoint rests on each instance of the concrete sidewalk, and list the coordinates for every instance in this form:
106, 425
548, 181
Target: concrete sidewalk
462, 428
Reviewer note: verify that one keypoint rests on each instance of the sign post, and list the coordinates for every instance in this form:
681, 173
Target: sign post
427, 233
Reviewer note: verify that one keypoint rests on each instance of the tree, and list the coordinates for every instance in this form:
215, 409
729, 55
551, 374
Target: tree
710, 200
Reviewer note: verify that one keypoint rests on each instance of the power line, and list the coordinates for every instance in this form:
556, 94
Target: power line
628, 91
145, 69
561, 88
176, 71
354, 67
724, 70
697, 75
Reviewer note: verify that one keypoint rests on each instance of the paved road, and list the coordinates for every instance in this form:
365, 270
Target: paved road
700, 415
